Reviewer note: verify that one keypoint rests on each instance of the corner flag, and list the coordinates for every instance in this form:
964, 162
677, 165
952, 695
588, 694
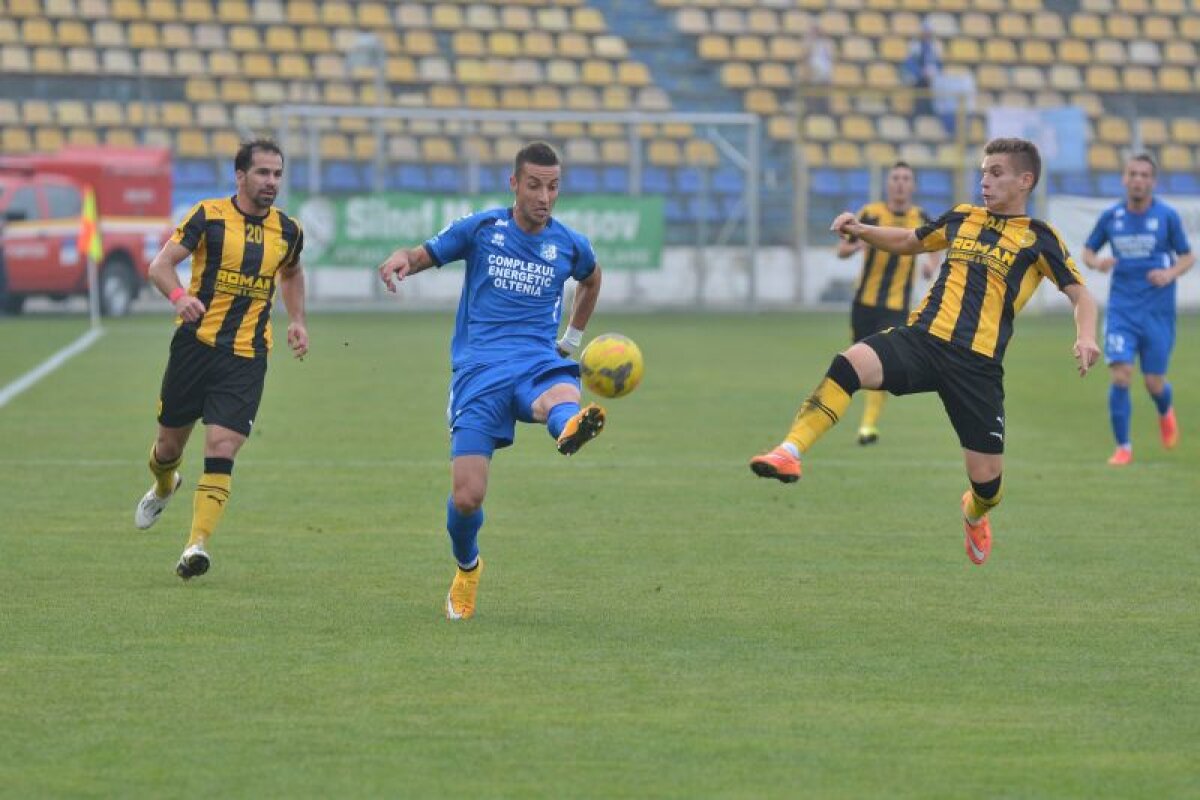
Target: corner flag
89, 243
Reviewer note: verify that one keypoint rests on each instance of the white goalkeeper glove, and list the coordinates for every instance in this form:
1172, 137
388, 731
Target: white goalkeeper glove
570, 341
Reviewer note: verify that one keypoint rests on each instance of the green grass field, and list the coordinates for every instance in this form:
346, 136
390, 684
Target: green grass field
654, 621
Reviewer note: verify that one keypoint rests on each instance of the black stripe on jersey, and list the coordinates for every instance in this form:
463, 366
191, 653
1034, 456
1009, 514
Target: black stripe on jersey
291, 235
252, 256
974, 292
214, 248
193, 229
933, 302
885, 282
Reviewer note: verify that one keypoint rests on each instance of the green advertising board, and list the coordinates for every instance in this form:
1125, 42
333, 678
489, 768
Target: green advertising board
359, 231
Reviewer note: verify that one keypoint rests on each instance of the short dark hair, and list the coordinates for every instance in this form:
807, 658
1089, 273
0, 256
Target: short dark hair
539, 153
902, 164
1024, 152
246, 151
1149, 159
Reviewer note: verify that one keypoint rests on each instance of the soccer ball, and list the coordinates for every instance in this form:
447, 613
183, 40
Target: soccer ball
612, 365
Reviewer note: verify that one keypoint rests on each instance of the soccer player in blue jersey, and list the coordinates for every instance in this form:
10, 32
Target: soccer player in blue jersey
1149, 252
505, 361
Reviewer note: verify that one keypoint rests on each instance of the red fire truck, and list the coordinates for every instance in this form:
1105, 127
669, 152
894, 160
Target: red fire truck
41, 198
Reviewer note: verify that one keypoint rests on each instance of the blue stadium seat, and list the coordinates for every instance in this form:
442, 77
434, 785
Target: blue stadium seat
858, 182
615, 180
1075, 183
703, 208
674, 211
827, 183
655, 180
342, 176
729, 181
1108, 184
298, 175
408, 177
445, 178
494, 179
731, 206
583, 179
935, 182
1181, 183
689, 180
195, 174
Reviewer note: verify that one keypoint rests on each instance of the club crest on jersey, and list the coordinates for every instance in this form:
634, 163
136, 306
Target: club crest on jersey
549, 251
1152, 224
498, 239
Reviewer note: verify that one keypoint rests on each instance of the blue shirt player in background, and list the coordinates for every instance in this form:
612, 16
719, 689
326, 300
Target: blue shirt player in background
1149, 253
505, 361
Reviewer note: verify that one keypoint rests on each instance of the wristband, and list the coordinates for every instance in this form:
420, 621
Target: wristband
175, 294
572, 337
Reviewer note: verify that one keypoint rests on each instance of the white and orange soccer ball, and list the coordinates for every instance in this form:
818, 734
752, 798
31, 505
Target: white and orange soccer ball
611, 365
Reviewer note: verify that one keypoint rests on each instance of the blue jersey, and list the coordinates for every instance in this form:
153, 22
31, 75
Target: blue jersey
1140, 243
512, 292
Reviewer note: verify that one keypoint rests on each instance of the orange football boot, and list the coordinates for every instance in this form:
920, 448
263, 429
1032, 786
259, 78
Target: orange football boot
978, 536
1121, 457
581, 429
778, 464
1168, 429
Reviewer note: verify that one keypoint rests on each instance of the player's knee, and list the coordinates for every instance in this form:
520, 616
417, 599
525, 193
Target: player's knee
1122, 375
467, 499
1154, 383
842, 372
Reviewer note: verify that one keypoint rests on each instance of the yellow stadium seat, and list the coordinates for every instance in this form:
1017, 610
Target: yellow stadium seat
1065, 77
1121, 26
108, 113
1153, 131
574, 45
195, 11
1176, 158
1174, 79
338, 93
373, 15
1074, 51
401, 69
1103, 157
1113, 130
1108, 51
73, 32
963, 51
224, 63
774, 75
1185, 130
176, 115
763, 21
728, 20
871, 23
652, 98
588, 20
663, 153
481, 97
446, 17
120, 137
212, 115
128, 10
1029, 78
880, 153
1086, 26
420, 43
190, 63
597, 73
820, 128
1047, 25
929, 129
1179, 52
162, 11
858, 48
1189, 28
37, 31
82, 61
1012, 26
1159, 29
239, 11
844, 155
444, 96
835, 23
783, 128
505, 44
893, 48
1171, 6
714, 47
906, 24
235, 91
616, 98
72, 113
334, 145
93, 9
857, 128
48, 140
796, 22
293, 66
736, 75
614, 151
516, 97
761, 101
1000, 51
749, 48
610, 47
516, 18
785, 48
107, 33
255, 65
83, 137
552, 19
633, 73
315, 40
49, 60
1102, 79
468, 43
176, 35
1139, 80
143, 35
482, 17
581, 98
438, 150
894, 128
1134, 6
847, 75
692, 20
244, 37
9, 32
1037, 51
336, 14
562, 71
700, 152
16, 140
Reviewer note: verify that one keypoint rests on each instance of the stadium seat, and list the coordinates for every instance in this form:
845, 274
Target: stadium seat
656, 180
1174, 79
342, 176
446, 178
615, 180
1185, 183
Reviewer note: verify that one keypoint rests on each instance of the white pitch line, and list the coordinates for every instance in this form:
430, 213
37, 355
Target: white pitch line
52, 363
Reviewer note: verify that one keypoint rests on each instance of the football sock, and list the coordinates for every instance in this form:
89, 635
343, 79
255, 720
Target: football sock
164, 473
208, 503
984, 497
1163, 401
1120, 409
558, 417
825, 406
874, 407
464, 534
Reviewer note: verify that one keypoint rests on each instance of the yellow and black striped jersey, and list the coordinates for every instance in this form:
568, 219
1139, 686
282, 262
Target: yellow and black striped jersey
993, 264
887, 278
235, 260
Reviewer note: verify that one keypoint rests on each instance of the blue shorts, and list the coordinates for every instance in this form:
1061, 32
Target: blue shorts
1147, 337
487, 401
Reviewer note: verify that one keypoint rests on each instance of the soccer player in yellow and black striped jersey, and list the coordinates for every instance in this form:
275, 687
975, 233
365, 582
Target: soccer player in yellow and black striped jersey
954, 342
241, 248
881, 298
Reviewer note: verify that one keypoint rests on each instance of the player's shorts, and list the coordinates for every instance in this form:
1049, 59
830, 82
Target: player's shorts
865, 320
1147, 337
210, 383
971, 386
486, 401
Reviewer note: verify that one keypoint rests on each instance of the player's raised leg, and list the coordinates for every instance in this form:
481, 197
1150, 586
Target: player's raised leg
570, 426
165, 456
856, 367
1163, 396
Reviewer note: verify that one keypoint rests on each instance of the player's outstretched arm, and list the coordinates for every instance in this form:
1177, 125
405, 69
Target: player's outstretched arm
1086, 351
586, 295
901, 241
402, 263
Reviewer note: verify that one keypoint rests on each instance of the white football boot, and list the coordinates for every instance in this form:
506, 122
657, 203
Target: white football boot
151, 505
193, 563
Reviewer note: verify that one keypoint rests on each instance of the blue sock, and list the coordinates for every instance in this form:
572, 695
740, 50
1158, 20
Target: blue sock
464, 533
1163, 401
1120, 409
557, 419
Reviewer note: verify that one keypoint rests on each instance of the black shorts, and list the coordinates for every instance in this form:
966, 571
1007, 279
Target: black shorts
204, 381
865, 320
971, 385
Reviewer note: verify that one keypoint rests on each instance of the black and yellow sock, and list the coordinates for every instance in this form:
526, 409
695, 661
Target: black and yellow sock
984, 497
825, 406
874, 407
164, 472
208, 503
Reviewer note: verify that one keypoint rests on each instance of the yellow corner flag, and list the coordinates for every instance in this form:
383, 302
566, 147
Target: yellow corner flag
89, 242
